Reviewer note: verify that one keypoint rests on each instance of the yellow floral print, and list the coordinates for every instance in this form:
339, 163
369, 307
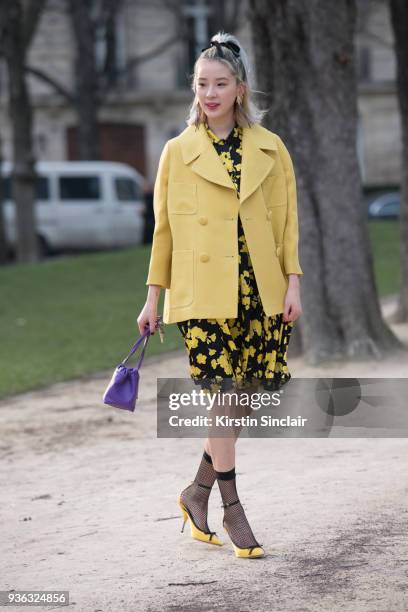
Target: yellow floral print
227, 353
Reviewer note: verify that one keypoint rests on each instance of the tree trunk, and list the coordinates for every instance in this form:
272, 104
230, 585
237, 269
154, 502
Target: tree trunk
23, 174
86, 80
399, 19
307, 48
3, 249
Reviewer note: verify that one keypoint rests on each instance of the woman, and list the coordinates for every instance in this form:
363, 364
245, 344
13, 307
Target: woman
225, 248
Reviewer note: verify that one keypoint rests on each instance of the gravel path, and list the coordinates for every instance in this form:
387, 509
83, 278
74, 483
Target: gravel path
89, 506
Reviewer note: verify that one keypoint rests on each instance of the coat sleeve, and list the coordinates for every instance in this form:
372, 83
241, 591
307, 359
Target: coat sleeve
291, 233
160, 258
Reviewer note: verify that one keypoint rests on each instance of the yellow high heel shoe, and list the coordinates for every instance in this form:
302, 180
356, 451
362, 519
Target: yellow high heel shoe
253, 552
210, 537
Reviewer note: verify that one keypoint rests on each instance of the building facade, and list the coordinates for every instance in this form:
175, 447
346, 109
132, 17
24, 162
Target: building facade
155, 45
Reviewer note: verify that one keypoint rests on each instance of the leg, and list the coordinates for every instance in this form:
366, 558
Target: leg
223, 457
195, 496
222, 453
235, 520
222, 450
221, 439
243, 409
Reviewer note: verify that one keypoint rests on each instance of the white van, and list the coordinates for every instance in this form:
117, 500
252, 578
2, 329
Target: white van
82, 205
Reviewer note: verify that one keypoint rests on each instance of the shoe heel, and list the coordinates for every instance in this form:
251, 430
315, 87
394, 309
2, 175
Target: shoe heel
198, 534
185, 515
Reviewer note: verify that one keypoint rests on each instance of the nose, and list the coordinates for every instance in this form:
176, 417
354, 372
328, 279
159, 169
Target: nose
210, 92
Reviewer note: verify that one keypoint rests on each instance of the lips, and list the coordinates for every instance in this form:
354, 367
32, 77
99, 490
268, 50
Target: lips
212, 105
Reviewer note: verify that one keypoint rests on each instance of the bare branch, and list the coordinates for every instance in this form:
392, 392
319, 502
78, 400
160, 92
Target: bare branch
131, 63
155, 51
46, 78
31, 17
377, 38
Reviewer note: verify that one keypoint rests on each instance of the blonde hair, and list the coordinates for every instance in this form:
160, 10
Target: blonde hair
247, 112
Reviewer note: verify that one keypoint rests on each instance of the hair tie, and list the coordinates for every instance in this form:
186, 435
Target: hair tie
229, 44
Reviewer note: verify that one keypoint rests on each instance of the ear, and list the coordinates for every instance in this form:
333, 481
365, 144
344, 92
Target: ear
241, 89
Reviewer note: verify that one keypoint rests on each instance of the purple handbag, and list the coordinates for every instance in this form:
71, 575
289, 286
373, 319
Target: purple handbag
122, 390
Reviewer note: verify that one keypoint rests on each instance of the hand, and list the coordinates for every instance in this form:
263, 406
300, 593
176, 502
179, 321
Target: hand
148, 318
292, 306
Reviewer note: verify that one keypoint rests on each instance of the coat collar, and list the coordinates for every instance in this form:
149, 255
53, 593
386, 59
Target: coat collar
197, 147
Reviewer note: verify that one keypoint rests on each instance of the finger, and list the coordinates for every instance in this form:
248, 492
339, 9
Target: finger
295, 315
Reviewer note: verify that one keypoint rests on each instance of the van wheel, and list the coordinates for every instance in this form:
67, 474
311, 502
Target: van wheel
43, 249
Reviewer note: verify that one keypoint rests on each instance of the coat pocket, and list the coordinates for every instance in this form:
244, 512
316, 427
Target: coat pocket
274, 190
182, 198
182, 278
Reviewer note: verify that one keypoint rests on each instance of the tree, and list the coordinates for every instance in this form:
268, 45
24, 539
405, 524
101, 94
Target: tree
84, 27
399, 20
91, 22
18, 23
3, 250
308, 48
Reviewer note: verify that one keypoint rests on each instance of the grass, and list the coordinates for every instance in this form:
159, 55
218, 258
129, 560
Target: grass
72, 316
385, 242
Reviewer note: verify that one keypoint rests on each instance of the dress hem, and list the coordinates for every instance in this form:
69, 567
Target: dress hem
229, 382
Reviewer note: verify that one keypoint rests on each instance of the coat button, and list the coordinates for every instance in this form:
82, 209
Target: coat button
204, 257
269, 215
203, 220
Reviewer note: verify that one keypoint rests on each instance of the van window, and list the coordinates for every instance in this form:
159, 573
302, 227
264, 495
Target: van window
127, 190
42, 188
79, 187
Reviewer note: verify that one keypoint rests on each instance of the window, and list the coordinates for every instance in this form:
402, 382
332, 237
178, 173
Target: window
43, 192
391, 208
127, 190
79, 188
42, 188
198, 25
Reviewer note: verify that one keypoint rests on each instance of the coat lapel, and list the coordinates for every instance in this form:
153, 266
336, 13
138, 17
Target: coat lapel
255, 166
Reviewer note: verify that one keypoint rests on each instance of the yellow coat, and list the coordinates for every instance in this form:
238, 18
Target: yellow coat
195, 242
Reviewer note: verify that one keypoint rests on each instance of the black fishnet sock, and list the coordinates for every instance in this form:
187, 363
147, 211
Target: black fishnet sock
235, 519
195, 496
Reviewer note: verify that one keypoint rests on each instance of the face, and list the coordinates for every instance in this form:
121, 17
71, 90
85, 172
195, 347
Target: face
216, 89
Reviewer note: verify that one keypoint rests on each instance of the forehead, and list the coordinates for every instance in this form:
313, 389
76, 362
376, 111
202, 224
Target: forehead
212, 69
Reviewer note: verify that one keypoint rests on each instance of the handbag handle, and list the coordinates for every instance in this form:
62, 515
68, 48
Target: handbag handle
144, 336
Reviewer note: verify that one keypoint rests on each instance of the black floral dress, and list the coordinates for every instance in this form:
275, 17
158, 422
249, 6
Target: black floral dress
250, 349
